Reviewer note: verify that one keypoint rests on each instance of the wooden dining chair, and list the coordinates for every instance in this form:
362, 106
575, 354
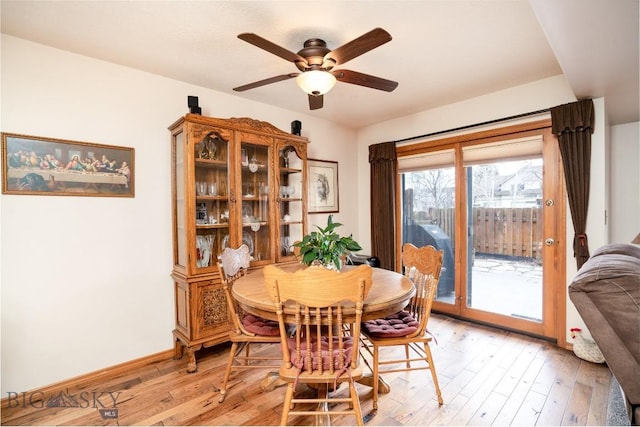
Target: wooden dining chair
318, 301
407, 328
246, 329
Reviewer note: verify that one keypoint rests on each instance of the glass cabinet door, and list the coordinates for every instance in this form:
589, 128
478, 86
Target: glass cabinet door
256, 228
180, 257
211, 198
291, 191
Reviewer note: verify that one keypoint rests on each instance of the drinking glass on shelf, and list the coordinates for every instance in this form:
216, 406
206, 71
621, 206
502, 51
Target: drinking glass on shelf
264, 209
204, 245
213, 189
291, 190
286, 191
212, 148
201, 188
285, 245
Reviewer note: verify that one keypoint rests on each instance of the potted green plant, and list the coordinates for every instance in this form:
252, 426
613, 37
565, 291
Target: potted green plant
326, 247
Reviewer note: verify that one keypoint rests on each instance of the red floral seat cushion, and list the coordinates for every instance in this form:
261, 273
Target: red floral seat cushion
399, 324
324, 357
261, 326
324, 348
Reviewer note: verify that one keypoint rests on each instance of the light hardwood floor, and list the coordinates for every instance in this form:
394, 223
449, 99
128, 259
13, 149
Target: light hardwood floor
487, 377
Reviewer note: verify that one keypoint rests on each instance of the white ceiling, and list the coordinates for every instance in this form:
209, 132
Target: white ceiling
443, 51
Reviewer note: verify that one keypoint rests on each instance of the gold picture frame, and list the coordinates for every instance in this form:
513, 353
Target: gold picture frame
323, 192
34, 165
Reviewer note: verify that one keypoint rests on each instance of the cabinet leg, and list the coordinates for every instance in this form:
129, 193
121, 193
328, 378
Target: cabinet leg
177, 349
191, 353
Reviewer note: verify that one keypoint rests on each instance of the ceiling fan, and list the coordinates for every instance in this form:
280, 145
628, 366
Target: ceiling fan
316, 62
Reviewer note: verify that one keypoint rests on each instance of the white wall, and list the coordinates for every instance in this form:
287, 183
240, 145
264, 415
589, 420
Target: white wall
85, 280
624, 214
599, 195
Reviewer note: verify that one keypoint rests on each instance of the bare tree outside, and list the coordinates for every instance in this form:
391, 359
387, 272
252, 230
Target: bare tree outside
484, 182
433, 188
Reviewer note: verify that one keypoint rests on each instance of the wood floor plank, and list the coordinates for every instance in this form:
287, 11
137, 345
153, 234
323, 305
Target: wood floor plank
427, 414
488, 382
529, 411
488, 411
516, 371
515, 399
448, 411
493, 369
600, 398
547, 376
556, 403
577, 410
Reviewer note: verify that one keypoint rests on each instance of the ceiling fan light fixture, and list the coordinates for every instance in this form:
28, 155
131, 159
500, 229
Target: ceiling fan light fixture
316, 82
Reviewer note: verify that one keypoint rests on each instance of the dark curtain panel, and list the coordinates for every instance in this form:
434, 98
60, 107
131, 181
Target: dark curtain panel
382, 158
573, 125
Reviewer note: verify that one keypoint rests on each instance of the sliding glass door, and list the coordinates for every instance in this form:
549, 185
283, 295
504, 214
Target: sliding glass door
505, 225
429, 219
491, 207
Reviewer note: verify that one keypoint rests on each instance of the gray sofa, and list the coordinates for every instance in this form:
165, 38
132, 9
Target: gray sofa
606, 293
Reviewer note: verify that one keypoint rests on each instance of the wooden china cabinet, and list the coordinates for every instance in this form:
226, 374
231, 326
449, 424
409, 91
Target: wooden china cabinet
234, 181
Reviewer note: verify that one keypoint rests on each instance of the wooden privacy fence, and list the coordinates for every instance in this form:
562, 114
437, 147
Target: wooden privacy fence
513, 232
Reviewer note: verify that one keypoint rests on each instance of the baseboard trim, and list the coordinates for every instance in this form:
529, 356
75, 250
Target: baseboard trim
107, 372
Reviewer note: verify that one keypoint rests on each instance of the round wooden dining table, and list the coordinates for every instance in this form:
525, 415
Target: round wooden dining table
390, 292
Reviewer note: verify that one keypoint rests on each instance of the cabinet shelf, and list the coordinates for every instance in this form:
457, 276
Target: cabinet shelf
210, 226
261, 167
208, 163
248, 224
210, 198
286, 171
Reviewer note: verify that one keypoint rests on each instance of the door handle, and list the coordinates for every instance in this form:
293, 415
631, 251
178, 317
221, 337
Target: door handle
549, 241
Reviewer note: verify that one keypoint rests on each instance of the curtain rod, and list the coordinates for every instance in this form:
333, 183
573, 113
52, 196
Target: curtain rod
517, 116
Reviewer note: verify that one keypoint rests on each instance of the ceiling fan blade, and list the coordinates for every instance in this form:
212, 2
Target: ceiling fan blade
360, 45
360, 79
265, 82
316, 102
271, 47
